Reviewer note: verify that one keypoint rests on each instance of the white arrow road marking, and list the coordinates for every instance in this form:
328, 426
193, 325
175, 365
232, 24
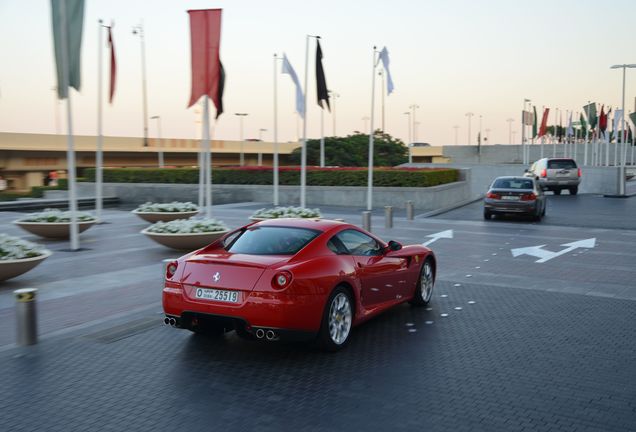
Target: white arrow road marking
546, 255
442, 234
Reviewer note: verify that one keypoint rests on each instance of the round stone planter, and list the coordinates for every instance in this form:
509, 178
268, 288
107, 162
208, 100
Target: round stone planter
185, 241
12, 268
257, 219
153, 217
53, 230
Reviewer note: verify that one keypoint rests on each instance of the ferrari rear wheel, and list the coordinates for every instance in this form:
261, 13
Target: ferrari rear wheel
337, 319
424, 289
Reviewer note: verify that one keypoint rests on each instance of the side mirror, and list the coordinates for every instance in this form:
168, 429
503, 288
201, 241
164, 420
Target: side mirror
394, 246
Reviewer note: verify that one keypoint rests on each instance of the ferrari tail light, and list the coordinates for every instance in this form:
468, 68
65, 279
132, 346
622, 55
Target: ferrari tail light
281, 280
171, 269
544, 172
528, 197
493, 195
579, 172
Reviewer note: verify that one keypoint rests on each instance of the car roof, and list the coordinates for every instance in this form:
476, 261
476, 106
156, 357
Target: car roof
310, 223
513, 178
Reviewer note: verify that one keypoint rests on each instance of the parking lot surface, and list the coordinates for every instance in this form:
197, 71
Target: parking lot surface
509, 343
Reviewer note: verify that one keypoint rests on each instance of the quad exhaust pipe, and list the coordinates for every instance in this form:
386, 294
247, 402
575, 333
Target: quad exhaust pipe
260, 333
170, 321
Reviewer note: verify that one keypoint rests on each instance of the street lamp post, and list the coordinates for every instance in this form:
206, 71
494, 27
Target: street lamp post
413, 108
334, 96
624, 150
365, 119
510, 120
260, 139
241, 116
408, 128
159, 140
469, 115
139, 30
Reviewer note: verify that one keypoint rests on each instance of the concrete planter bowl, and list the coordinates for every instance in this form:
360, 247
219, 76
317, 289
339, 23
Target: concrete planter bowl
53, 230
12, 268
185, 241
153, 217
257, 219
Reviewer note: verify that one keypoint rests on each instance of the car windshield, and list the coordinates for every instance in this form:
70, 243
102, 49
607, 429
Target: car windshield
272, 240
513, 184
561, 164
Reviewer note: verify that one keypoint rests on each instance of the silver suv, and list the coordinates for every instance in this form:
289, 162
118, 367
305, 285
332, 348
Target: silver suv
556, 174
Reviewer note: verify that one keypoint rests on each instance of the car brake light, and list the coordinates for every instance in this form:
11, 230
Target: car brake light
528, 197
171, 269
493, 195
579, 172
281, 280
544, 172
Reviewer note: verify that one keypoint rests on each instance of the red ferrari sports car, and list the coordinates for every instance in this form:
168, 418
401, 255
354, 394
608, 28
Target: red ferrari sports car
294, 279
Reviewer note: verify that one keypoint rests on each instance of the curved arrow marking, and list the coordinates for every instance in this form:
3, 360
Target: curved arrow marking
546, 255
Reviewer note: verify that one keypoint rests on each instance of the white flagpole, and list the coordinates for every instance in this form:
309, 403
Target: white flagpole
303, 157
322, 138
275, 133
99, 156
554, 138
587, 132
370, 177
543, 136
70, 153
207, 158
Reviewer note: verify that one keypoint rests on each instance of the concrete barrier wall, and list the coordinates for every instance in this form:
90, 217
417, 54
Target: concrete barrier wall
430, 198
595, 180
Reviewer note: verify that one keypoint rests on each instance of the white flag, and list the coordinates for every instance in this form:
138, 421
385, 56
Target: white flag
384, 56
300, 98
618, 115
570, 131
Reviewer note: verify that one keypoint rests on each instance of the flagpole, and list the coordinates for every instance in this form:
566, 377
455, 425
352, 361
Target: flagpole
370, 169
207, 157
70, 153
99, 157
322, 138
587, 132
303, 157
275, 133
554, 138
523, 132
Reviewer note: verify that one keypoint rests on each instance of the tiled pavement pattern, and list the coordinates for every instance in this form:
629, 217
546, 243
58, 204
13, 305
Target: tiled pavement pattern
514, 360
531, 352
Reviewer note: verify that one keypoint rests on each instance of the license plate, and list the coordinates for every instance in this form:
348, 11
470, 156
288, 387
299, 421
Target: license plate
217, 295
510, 198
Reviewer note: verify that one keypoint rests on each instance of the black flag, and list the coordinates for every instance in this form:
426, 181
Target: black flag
321, 83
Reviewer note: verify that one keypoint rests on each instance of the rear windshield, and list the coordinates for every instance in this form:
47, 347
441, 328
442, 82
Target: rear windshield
561, 164
513, 184
272, 240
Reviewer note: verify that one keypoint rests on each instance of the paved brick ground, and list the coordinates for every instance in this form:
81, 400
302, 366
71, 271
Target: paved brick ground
513, 360
544, 347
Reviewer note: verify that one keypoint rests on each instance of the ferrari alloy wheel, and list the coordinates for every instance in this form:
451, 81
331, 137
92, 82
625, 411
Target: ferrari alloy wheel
424, 289
337, 320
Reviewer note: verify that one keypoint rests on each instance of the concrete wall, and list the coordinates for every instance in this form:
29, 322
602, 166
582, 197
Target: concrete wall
595, 180
431, 198
512, 154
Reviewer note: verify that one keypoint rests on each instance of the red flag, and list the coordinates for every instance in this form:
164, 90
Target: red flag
113, 65
544, 123
602, 122
207, 71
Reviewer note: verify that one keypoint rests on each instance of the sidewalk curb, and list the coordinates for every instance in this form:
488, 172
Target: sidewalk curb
449, 208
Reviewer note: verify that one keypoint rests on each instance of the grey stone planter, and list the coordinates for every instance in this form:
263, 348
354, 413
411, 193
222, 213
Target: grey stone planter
12, 268
153, 217
185, 241
53, 230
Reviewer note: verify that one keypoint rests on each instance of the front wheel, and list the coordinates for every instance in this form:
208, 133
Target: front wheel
424, 289
337, 319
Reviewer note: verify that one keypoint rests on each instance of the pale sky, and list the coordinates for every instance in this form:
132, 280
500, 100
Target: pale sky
449, 57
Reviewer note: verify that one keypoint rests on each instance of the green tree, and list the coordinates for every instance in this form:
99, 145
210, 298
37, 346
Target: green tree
353, 151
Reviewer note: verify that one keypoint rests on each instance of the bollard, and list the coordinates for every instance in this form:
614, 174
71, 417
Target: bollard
366, 220
409, 210
388, 217
26, 316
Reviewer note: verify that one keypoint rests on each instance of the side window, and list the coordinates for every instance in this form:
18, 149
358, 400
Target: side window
230, 239
337, 247
358, 243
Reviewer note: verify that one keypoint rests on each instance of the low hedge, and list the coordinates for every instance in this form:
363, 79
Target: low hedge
36, 191
287, 176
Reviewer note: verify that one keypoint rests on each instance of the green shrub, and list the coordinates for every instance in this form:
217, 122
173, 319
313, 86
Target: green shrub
291, 177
